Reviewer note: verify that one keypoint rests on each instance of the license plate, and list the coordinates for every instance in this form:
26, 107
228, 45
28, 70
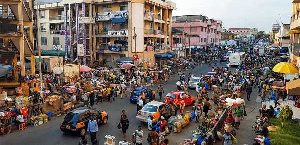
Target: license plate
68, 127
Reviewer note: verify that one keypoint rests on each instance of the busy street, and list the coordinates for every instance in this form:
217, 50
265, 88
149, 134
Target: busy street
156, 72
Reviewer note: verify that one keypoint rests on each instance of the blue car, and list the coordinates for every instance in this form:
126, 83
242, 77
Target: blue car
136, 92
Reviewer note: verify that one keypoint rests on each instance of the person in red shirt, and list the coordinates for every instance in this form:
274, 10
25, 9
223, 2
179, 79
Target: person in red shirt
229, 119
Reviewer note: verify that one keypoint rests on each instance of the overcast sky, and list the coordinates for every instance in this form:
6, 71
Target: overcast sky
259, 14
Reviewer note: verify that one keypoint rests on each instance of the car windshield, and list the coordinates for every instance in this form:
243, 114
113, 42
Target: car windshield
195, 80
72, 117
137, 92
150, 108
173, 96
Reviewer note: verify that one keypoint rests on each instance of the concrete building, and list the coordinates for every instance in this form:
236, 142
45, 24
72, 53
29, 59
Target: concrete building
199, 30
16, 38
295, 34
106, 30
283, 36
243, 31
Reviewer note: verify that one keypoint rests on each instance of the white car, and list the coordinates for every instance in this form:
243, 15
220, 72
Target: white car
194, 81
149, 109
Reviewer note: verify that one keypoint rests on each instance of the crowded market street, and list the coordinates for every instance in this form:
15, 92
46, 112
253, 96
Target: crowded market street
50, 133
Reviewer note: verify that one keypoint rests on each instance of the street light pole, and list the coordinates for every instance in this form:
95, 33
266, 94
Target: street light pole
40, 57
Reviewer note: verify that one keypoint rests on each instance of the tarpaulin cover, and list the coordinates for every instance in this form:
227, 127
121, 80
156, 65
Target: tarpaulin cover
195, 49
5, 69
118, 20
125, 60
51, 53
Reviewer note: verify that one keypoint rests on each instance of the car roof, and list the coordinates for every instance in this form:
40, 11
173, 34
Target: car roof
155, 103
176, 92
196, 78
81, 110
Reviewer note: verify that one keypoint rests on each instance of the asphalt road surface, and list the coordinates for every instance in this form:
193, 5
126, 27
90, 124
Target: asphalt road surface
50, 134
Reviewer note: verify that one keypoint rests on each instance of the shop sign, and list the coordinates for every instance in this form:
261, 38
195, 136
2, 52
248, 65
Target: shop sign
118, 33
86, 20
110, 15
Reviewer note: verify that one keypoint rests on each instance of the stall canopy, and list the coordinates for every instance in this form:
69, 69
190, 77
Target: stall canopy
5, 69
293, 87
125, 60
51, 53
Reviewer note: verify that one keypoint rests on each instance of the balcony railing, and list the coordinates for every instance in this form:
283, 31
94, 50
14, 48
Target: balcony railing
58, 17
149, 31
28, 10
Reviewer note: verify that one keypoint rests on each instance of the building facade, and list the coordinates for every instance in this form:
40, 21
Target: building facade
16, 37
283, 36
106, 30
295, 34
199, 31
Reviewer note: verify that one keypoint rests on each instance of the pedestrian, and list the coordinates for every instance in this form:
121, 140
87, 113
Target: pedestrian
153, 137
181, 106
160, 91
206, 107
249, 91
93, 129
92, 98
124, 123
85, 99
137, 136
140, 104
198, 111
113, 94
150, 122
227, 139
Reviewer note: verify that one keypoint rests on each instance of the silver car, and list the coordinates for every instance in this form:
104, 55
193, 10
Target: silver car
194, 81
149, 109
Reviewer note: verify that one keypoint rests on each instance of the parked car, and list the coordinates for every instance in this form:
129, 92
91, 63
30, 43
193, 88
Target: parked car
155, 109
194, 81
77, 120
136, 92
177, 96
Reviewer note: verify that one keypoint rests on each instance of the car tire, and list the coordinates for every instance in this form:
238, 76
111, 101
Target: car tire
105, 120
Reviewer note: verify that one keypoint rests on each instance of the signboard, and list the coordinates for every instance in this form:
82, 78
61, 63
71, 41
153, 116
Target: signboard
109, 15
55, 62
86, 20
118, 33
80, 50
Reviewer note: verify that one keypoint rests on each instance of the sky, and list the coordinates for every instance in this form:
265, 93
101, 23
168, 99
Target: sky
259, 14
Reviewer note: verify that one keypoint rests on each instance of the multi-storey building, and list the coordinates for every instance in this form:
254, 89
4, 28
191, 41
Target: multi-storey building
199, 30
295, 34
243, 31
283, 36
106, 30
16, 37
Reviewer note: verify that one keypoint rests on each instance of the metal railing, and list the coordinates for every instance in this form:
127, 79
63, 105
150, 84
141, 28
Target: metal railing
210, 139
28, 10
58, 17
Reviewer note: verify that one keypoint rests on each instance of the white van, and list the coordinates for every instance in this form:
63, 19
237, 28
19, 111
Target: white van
236, 59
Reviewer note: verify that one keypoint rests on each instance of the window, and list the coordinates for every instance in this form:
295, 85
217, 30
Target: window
43, 28
201, 39
204, 39
193, 29
42, 14
201, 29
151, 25
123, 7
44, 40
56, 41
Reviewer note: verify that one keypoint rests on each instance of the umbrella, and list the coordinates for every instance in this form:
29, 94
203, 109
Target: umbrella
84, 68
286, 68
57, 70
127, 65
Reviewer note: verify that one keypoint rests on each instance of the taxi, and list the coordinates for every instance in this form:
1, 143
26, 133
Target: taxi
178, 96
155, 109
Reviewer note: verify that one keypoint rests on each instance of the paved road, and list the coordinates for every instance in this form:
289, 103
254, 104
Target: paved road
50, 134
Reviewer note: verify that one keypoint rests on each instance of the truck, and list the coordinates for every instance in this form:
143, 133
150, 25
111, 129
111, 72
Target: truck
236, 58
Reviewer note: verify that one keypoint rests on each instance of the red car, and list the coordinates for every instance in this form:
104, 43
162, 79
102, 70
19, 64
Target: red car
178, 96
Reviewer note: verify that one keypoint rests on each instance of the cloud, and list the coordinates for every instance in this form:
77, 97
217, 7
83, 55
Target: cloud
260, 14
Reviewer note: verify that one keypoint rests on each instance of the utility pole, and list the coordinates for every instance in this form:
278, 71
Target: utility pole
134, 37
190, 39
40, 56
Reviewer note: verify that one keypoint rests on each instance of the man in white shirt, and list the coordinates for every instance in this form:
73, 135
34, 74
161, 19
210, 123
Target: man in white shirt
139, 136
140, 104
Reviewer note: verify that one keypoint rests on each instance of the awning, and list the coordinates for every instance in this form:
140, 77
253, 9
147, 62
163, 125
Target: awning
118, 20
51, 53
294, 32
125, 60
293, 87
164, 55
195, 49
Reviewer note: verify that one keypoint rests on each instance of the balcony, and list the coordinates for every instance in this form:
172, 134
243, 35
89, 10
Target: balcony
148, 16
58, 17
9, 30
158, 19
149, 32
114, 48
295, 21
296, 49
154, 33
122, 16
